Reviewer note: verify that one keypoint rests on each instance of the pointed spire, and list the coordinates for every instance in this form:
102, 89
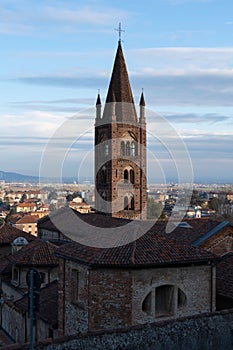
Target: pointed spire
98, 108
120, 91
142, 109
98, 101
119, 84
142, 100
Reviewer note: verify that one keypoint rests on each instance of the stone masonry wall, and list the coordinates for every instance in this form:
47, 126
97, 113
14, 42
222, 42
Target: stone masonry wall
194, 281
205, 332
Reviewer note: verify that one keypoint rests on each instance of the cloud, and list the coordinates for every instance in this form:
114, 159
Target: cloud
195, 118
30, 18
206, 87
172, 76
69, 105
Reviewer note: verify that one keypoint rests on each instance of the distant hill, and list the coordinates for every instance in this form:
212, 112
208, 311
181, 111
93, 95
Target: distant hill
15, 177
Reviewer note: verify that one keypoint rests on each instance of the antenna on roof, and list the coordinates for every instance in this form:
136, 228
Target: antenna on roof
119, 30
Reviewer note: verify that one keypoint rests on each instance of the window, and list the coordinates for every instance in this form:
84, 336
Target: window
164, 301
15, 275
131, 203
181, 298
103, 175
131, 175
126, 203
146, 305
122, 148
42, 277
128, 148
126, 175
133, 149
75, 285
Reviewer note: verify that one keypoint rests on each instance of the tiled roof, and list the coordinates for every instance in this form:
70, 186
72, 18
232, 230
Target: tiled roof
211, 233
224, 276
155, 247
152, 249
37, 253
120, 90
28, 219
26, 205
189, 233
9, 233
48, 304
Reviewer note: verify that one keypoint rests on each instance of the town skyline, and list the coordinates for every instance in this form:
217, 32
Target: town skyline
180, 52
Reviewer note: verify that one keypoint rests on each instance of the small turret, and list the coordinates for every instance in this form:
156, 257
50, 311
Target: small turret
142, 105
98, 107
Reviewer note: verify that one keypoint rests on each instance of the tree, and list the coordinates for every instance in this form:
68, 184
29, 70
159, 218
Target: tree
69, 197
214, 203
52, 195
196, 199
52, 207
24, 196
154, 210
8, 216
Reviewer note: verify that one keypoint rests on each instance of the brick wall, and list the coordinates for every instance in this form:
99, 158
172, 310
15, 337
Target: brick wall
110, 296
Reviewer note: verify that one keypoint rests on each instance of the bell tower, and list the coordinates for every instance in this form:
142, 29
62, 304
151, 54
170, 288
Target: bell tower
120, 148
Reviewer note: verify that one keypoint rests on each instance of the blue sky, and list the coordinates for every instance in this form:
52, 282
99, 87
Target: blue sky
55, 55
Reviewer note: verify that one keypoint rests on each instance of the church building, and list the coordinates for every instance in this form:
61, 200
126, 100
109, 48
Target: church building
120, 148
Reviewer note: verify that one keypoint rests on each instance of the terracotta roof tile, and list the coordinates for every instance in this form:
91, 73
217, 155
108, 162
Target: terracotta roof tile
28, 219
9, 233
152, 249
36, 253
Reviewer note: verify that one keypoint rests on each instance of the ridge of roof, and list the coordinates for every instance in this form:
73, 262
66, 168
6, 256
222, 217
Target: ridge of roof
151, 249
211, 233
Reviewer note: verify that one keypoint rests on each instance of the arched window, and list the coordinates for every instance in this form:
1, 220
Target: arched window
146, 305
164, 296
136, 148
131, 203
128, 148
133, 153
131, 176
163, 301
126, 175
126, 203
104, 175
122, 148
181, 299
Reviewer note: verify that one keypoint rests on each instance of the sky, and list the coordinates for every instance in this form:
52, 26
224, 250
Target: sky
57, 55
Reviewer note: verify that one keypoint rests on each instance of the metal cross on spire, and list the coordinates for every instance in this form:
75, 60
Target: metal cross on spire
119, 30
